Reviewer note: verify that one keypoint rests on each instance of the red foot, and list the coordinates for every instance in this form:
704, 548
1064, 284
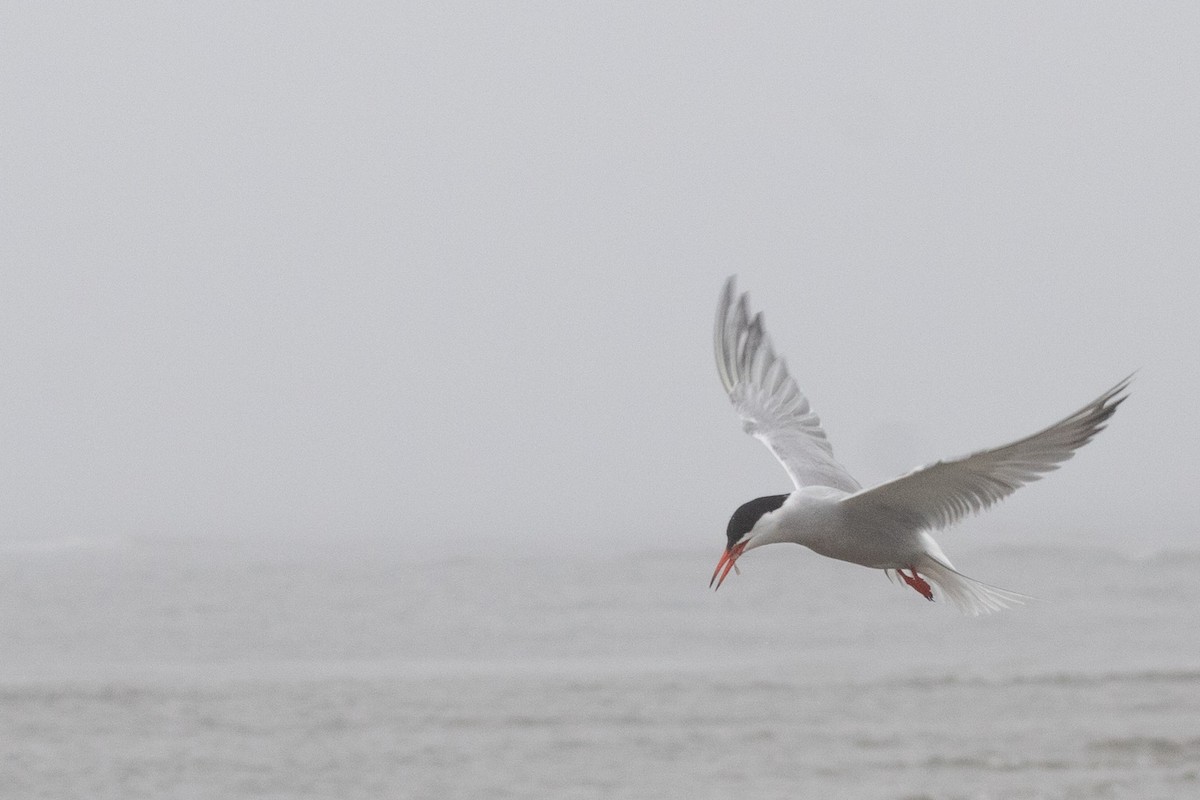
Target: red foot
917, 582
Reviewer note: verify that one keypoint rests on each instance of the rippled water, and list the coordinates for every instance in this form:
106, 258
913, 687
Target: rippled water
219, 670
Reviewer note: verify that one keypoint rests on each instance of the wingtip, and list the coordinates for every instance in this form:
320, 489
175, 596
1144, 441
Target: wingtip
722, 343
726, 302
729, 292
1117, 394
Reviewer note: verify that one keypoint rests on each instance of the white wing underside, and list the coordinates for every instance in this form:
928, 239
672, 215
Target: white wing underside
772, 407
938, 495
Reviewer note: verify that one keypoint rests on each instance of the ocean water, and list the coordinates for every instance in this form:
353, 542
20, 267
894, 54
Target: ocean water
177, 669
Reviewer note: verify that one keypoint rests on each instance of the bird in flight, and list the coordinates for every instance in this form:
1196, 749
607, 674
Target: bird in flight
887, 526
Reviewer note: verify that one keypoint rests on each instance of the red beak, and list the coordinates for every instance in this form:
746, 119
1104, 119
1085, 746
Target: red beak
726, 563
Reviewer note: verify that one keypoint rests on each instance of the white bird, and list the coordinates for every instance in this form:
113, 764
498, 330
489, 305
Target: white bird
887, 526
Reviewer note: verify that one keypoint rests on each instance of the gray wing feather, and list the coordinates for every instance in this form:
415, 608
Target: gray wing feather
772, 407
940, 494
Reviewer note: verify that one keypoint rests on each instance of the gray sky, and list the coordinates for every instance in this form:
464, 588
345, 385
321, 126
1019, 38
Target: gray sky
447, 274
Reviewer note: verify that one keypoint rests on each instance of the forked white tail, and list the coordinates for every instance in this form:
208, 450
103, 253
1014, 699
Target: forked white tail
970, 596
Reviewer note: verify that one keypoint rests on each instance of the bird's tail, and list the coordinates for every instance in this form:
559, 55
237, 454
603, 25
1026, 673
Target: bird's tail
967, 594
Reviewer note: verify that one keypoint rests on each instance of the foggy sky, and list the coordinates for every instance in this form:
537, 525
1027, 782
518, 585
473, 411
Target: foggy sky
446, 274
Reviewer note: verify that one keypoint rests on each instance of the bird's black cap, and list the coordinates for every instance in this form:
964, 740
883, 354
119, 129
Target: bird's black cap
743, 520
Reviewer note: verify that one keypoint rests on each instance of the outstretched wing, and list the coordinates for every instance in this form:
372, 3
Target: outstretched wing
772, 407
940, 494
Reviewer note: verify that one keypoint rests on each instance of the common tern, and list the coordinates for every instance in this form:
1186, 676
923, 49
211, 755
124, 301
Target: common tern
884, 527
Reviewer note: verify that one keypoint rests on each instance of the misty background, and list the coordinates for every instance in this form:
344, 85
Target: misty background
444, 275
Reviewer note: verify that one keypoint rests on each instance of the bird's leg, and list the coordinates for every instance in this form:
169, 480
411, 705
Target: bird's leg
917, 582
